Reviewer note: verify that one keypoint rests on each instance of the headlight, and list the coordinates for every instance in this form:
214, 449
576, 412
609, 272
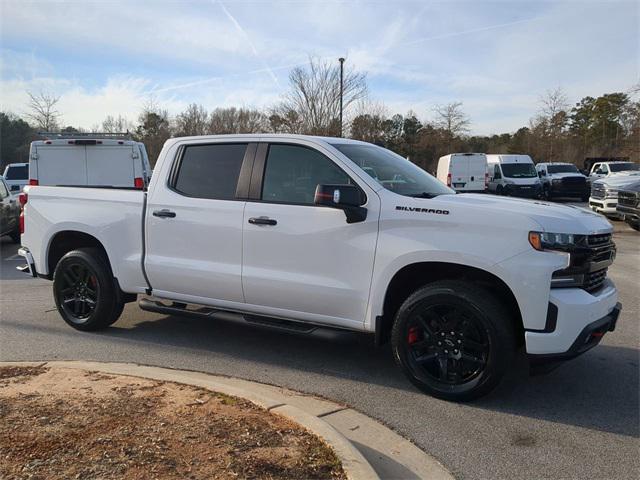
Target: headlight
555, 241
611, 192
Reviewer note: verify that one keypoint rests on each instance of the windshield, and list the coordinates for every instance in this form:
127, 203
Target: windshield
623, 167
394, 172
518, 170
17, 173
562, 169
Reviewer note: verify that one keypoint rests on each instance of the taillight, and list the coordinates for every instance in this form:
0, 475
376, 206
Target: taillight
33, 181
23, 198
486, 180
448, 179
22, 223
138, 182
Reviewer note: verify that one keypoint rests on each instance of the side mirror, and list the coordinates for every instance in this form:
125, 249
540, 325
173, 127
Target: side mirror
344, 197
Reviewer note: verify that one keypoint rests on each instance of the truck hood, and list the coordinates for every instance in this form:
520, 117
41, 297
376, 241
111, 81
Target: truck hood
566, 175
619, 179
551, 217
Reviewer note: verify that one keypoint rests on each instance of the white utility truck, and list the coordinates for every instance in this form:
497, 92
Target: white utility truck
293, 232
464, 172
100, 160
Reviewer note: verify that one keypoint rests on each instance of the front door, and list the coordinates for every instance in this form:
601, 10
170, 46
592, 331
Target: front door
194, 226
305, 261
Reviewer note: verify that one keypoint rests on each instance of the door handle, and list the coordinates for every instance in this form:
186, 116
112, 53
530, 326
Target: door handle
164, 213
262, 221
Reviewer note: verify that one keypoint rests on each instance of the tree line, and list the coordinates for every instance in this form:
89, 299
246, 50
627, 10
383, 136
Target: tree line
603, 126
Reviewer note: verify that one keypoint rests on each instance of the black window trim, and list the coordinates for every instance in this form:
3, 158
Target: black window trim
259, 166
244, 177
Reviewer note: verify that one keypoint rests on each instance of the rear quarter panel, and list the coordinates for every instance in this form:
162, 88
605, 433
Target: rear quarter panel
112, 216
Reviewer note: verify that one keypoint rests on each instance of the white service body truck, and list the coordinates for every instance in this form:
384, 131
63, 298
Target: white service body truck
292, 231
89, 161
464, 172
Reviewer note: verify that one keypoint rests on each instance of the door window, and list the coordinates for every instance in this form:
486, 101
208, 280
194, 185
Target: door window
210, 171
496, 172
292, 174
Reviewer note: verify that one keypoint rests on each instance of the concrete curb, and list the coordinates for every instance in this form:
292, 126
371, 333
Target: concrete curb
366, 448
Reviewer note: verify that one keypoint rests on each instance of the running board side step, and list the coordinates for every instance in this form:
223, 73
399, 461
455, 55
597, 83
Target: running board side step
182, 309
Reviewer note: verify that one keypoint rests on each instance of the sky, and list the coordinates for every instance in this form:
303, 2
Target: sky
110, 57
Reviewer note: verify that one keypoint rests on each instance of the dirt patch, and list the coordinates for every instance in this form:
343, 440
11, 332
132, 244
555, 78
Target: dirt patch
71, 424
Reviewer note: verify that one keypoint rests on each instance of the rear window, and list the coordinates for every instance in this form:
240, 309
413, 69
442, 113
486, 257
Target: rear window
19, 172
210, 171
624, 167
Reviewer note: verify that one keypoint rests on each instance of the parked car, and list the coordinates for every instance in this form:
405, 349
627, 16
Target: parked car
606, 169
9, 213
604, 193
513, 175
464, 172
294, 232
562, 180
82, 161
16, 176
629, 204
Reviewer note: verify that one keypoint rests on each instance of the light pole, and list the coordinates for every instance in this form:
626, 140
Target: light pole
341, 60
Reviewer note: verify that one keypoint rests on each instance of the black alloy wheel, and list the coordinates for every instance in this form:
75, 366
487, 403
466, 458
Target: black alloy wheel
78, 291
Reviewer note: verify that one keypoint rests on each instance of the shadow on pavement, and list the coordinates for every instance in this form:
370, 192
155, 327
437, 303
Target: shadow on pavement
596, 391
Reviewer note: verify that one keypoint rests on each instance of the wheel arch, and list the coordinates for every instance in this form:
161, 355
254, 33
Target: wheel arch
418, 274
64, 241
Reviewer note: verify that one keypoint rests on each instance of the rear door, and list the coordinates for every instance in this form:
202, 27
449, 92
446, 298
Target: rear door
310, 264
476, 168
60, 164
459, 168
194, 224
111, 165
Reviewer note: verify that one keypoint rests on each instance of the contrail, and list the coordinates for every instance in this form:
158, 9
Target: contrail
246, 37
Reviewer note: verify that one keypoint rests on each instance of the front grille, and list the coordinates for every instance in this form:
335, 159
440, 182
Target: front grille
589, 262
594, 280
597, 190
574, 181
627, 199
599, 239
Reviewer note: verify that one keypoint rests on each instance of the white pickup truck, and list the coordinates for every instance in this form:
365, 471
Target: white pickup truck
298, 232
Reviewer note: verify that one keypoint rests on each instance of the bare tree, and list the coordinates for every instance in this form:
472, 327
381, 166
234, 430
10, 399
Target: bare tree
43, 111
237, 120
314, 96
119, 124
193, 121
554, 118
451, 119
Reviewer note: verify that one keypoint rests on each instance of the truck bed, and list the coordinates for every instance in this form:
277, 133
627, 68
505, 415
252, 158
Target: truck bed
113, 216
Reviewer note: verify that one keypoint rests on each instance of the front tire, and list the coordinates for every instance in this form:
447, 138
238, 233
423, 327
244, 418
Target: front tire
453, 340
85, 291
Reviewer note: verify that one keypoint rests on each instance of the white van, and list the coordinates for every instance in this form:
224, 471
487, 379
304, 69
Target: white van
513, 175
464, 172
79, 161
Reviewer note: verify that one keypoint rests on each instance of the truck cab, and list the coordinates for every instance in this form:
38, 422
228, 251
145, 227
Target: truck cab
607, 169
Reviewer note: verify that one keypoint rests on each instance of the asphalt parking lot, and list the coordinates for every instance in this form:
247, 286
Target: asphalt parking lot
580, 421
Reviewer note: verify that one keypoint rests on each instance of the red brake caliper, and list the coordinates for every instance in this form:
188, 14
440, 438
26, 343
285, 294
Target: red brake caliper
413, 335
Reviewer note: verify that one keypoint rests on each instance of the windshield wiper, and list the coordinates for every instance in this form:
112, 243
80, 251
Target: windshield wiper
423, 195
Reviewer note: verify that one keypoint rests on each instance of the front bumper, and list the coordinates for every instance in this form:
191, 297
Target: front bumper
569, 190
630, 214
606, 206
30, 266
573, 316
524, 191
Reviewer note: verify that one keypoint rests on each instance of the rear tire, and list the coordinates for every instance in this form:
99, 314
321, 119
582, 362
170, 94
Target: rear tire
453, 340
85, 291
